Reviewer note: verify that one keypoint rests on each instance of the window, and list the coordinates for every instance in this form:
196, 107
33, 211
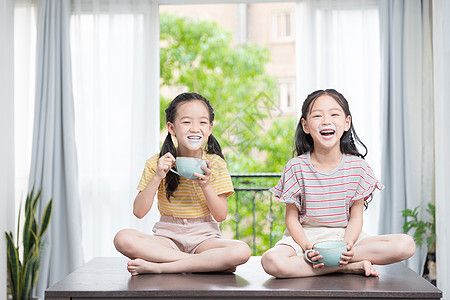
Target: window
342, 52
116, 115
282, 26
288, 100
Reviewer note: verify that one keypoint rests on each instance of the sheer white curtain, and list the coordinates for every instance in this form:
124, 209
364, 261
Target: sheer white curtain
7, 211
24, 83
115, 72
338, 46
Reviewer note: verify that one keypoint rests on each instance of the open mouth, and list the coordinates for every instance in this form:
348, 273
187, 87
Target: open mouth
327, 131
194, 139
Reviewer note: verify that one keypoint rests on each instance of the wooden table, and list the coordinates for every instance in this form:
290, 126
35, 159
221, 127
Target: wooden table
107, 278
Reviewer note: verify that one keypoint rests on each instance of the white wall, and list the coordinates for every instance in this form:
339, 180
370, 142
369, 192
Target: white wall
6, 132
441, 47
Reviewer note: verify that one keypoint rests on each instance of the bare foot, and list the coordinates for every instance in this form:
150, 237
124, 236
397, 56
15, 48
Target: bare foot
140, 266
364, 267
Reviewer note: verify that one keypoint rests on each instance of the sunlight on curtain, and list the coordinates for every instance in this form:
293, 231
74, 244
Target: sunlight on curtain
117, 117
337, 45
24, 82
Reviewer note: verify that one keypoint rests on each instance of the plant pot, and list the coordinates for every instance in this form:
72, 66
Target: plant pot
429, 271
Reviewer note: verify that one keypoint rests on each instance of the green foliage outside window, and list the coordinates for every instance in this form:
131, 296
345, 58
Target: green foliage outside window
276, 145
200, 56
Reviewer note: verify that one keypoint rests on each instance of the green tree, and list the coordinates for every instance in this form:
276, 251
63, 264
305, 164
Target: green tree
200, 56
256, 211
277, 144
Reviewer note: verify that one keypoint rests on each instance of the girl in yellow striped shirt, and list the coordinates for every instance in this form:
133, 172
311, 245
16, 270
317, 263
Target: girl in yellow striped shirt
187, 237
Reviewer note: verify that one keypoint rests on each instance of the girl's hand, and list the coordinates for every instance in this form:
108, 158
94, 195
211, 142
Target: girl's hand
348, 255
314, 256
165, 162
203, 179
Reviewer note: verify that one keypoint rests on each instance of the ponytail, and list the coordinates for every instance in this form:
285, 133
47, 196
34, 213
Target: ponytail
213, 147
304, 142
168, 146
348, 145
172, 180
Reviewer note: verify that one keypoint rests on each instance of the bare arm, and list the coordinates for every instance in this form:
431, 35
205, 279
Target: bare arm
355, 223
298, 234
217, 204
295, 228
144, 199
353, 230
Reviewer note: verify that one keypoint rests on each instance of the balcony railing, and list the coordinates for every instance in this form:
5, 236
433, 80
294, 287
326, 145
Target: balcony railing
256, 219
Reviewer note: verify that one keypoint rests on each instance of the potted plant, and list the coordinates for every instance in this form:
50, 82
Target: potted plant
23, 270
424, 229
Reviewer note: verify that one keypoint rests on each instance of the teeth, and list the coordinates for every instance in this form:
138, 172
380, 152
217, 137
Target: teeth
330, 129
194, 140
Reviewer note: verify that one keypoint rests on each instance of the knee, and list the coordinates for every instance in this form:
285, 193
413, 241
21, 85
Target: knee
407, 246
271, 264
123, 240
240, 254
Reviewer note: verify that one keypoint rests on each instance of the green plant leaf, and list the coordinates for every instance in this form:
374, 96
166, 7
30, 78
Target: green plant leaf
46, 218
14, 267
30, 225
407, 226
27, 230
18, 222
24, 273
431, 240
424, 229
36, 200
28, 199
35, 271
28, 269
407, 212
34, 229
32, 200
432, 211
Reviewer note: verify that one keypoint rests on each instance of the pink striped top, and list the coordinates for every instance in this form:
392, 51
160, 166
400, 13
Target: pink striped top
324, 199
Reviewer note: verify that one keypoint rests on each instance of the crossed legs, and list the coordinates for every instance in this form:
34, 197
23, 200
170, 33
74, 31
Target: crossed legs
152, 254
283, 262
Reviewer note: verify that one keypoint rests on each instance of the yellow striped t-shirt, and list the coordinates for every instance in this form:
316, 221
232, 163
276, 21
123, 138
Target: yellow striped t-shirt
188, 200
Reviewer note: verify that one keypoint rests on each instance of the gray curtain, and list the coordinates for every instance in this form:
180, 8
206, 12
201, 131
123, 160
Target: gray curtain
441, 61
54, 158
407, 99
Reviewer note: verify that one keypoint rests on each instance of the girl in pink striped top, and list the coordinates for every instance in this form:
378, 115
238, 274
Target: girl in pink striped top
325, 188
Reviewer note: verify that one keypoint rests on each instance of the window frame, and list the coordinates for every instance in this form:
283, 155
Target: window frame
283, 37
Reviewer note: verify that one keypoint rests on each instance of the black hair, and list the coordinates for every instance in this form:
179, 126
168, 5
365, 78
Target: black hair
212, 146
304, 142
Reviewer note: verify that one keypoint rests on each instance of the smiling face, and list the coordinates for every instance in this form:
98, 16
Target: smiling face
326, 122
191, 127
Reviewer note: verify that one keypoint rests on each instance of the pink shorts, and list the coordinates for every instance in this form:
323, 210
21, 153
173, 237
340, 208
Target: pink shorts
186, 234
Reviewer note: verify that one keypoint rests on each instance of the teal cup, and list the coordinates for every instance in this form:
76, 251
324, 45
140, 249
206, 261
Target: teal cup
331, 252
187, 166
